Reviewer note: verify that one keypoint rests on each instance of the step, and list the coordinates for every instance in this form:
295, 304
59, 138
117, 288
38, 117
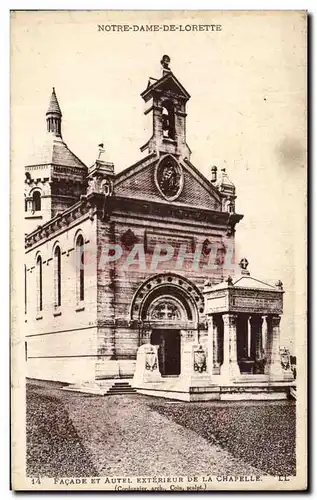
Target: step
117, 389
111, 393
123, 390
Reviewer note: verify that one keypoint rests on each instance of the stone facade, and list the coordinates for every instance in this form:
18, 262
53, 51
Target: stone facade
116, 261
61, 339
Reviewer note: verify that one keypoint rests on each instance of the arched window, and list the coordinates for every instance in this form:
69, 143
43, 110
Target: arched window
36, 201
168, 120
39, 283
57, 277
80, 275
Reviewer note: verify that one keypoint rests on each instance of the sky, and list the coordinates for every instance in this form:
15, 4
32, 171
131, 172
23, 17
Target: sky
247, 113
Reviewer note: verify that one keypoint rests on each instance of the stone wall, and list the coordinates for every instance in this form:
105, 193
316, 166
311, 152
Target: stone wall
61, 342
117, 283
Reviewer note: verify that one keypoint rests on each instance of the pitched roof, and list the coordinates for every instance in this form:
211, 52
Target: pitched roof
249, 282
246, 282
53, 105
55, 151
168, 80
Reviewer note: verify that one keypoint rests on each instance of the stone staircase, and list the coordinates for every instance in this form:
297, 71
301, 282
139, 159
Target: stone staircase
120, 388
103, 387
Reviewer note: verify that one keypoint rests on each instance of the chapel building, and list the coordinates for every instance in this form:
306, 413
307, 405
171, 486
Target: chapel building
116, 261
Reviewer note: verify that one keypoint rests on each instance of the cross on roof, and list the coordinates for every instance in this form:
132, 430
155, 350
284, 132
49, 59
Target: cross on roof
243, 263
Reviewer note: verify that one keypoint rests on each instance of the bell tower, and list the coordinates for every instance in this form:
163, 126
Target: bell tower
55, 178
166, 100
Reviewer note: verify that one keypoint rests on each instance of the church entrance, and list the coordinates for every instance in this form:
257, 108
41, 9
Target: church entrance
169, 352
166, 307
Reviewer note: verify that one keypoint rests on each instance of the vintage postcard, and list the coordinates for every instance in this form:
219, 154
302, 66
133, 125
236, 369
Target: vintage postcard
158, 186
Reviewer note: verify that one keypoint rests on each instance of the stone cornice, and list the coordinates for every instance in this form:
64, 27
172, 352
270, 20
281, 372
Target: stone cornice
169, 210
82, 171
61, 221
112, 205
45, 166
61, 169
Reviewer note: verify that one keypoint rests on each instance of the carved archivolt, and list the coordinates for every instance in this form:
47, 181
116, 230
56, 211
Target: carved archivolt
167, 297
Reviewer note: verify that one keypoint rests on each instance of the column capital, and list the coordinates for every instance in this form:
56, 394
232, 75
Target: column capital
210, 319
229, 318
230, 369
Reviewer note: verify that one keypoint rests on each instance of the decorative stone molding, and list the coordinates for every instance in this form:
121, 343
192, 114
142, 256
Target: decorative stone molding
231, 223
285, 359
62, 220
169, 177
200, 359
128, 239
190, 292
156, 209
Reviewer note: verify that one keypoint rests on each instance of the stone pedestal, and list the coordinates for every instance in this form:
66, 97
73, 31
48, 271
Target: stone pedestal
286, 364
194, 365
147, 367
230, 368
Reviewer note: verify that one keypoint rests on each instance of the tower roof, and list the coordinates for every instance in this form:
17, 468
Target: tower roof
55, 151
167, 82
53, 105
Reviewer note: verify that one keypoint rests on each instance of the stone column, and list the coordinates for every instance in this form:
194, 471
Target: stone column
273, 367
29, 204
230, 368
216, 347
264, 335
210, 344
249, 332
259, 341
258, 346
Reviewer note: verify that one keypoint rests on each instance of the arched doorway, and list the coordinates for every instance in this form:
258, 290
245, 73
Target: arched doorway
167, 308
166, 313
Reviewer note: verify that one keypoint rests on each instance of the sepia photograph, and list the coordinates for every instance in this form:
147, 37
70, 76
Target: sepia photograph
158, 187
